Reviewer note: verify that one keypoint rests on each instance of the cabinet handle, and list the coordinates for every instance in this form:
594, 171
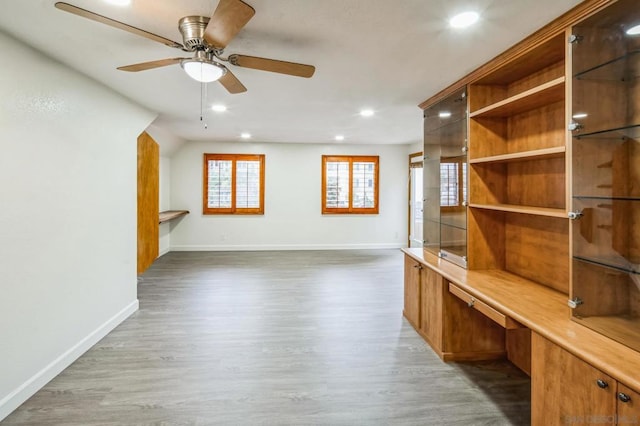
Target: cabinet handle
417, 266
577, 214
624, 397
602, 384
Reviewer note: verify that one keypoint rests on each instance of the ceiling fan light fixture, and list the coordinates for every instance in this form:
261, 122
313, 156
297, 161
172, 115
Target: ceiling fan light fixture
464, 19
635, 30
202, 70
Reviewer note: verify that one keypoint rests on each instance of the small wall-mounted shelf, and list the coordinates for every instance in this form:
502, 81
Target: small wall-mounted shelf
168, 215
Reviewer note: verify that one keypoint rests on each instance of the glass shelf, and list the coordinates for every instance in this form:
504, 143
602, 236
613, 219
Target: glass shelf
608, 263
447, 128
626, 132
624, 68
451, 225
458, 251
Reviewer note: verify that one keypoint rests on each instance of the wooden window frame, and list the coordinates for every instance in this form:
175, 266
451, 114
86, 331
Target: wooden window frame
351, 159
461, 179
234, 158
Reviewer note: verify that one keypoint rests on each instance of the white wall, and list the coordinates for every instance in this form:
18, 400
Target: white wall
164, 233
292, 218
415, 147
68, 217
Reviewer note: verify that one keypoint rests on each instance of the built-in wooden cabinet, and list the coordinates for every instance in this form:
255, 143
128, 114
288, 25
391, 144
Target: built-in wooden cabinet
606, 172
517, 174
553, 218
567, 390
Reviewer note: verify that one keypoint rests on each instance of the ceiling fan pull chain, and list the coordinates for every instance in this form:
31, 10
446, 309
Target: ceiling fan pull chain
203, 96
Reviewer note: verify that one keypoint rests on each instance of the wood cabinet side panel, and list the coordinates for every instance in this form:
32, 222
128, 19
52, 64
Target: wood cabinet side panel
487, 137
488, 183
148, 201
468, 331
518, 343
486, 244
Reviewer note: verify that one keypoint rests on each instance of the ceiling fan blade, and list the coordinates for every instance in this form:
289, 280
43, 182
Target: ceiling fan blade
116, 24
231, 83
228, 19
282, 67
150, 65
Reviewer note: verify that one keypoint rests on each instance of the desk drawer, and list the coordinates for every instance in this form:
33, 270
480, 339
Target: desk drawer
483, 308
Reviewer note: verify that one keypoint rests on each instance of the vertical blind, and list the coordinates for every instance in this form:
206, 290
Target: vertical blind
247, 184
337, 184
219, 185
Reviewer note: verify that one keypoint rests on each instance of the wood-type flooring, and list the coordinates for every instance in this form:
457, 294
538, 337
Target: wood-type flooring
274, 338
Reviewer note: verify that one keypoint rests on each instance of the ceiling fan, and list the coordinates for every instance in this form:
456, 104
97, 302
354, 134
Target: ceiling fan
207, 38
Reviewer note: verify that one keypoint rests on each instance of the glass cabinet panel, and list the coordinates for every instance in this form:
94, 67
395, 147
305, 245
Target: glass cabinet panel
445, 178
606, 172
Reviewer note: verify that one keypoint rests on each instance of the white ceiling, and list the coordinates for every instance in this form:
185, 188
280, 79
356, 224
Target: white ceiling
388, 55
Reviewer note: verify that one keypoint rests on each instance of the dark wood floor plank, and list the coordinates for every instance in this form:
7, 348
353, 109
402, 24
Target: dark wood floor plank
274, 338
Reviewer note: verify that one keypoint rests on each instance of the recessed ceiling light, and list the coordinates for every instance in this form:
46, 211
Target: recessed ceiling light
245, 135
635, 30
580, 115
339, 137
367, 112
444, 114
219, 108
464, 19
119, 2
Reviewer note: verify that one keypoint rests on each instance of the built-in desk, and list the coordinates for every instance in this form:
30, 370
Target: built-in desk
542, 310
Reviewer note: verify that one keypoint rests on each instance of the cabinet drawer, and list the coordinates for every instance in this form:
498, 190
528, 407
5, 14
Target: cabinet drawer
483, 308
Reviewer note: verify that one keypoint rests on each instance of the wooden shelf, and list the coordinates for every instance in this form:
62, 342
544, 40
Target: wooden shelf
168, 215
545, 94
537, 154
512, 208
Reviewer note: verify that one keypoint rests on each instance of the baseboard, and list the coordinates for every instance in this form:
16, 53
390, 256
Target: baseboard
164, 251
284, 247
13, 400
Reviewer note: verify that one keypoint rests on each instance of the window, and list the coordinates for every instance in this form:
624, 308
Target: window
349, 184
233, 184
453, 182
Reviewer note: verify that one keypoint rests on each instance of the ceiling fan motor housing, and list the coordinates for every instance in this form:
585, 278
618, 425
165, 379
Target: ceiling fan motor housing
192, 30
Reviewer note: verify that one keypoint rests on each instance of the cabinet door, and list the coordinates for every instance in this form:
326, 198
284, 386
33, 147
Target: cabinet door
566, 390
412, 270
431, 307
628, 405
